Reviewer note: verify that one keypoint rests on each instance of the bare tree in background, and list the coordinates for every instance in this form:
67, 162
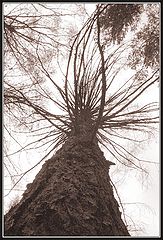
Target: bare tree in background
72, 194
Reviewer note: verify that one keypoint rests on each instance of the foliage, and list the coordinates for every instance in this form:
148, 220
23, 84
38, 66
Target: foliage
116, 19
27, 31
145, 45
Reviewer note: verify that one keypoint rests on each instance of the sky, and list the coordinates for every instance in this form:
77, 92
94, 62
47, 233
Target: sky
143, 195
139, 194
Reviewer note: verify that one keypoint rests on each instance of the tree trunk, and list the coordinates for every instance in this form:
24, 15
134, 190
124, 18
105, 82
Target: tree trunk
70, 196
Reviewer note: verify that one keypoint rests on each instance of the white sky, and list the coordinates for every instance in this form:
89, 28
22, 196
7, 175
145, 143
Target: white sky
131, 188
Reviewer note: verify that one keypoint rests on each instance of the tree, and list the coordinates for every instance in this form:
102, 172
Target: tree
72, 194
145, 44
146, 41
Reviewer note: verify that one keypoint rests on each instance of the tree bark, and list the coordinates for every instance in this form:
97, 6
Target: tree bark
70, 196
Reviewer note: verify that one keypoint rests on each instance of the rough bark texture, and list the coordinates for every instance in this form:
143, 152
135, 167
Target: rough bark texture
70, 196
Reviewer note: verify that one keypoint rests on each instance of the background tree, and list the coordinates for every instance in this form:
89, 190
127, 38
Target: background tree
93, 108
143, 20
146, 40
